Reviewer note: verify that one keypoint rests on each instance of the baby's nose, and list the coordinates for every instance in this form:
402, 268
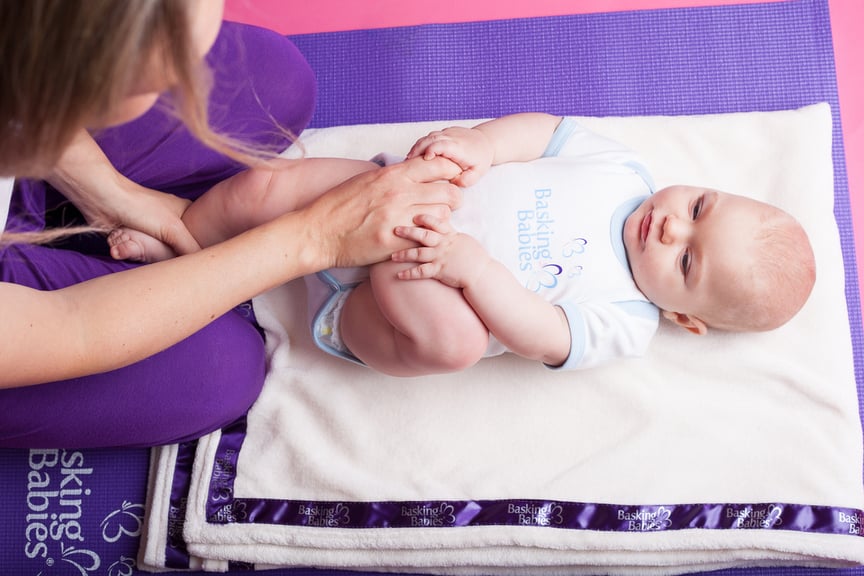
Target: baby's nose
673, 229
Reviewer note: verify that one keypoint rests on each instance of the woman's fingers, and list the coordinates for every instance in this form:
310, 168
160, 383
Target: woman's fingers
434, 222
357, 218
435, 169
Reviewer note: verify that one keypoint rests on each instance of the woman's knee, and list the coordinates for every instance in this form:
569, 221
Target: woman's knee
226, 387
276, 95
199, 385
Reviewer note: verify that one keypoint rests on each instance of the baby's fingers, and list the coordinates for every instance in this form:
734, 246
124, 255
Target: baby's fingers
423, 236
418, 149
422, 145
418, 254
424, 271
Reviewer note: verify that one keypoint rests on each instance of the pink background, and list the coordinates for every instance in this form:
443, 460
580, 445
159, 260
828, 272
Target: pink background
847, 19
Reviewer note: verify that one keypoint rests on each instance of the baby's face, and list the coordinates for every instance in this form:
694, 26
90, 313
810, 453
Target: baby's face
689, 247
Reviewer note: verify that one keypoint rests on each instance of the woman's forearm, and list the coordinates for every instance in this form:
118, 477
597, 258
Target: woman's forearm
118, 319
121, 318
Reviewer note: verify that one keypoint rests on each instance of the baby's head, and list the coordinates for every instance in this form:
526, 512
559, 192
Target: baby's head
709, 259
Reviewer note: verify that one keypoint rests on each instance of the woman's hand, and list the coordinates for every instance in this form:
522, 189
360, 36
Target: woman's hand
353, 224
109, 200
155, 214
471, 149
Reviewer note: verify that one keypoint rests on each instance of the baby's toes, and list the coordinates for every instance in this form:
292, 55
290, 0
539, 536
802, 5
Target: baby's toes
123, 247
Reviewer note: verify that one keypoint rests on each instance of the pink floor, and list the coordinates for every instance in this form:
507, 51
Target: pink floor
847, 19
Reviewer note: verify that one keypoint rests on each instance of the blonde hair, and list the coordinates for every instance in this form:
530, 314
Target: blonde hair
779, 280
63, 62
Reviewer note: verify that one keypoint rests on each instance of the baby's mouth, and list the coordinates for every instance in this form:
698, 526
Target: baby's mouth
645, 228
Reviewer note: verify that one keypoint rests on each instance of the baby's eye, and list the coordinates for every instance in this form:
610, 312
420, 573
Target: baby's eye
685, 262
697, 208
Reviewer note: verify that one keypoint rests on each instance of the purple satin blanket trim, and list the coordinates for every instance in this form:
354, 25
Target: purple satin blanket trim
541, 513
176, 554
223, 508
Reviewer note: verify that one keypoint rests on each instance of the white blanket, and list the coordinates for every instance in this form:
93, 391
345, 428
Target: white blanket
763, 427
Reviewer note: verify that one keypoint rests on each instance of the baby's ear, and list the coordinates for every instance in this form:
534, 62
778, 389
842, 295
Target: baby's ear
688, 322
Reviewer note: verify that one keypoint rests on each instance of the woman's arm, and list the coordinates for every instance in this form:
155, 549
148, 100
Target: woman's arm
121, 318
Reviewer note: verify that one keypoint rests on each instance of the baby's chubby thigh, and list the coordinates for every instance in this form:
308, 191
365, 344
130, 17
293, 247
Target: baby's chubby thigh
433, 328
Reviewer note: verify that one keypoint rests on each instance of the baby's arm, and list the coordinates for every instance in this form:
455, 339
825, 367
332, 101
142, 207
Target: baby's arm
514, 138
520, 319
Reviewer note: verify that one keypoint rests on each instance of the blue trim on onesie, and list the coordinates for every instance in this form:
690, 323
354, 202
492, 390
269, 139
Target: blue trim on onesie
643, 173
636, 308
640, 309
619, 217
616, 228
562, 133
577, 346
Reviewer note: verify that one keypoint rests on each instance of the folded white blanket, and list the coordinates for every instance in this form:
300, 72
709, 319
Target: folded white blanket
711, 452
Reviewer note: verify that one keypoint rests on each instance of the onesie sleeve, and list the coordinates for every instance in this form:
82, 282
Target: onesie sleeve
600, 332
571, 139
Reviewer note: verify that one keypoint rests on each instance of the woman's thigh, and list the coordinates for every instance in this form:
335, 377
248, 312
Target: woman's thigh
198, 385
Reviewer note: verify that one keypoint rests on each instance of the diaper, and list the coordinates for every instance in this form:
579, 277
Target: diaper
326, 293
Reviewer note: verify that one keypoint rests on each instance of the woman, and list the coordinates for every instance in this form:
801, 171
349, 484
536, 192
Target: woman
96, 352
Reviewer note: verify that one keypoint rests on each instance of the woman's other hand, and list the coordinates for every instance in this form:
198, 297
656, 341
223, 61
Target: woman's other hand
108, 200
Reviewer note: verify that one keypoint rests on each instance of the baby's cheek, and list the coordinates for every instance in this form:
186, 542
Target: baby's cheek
643, 278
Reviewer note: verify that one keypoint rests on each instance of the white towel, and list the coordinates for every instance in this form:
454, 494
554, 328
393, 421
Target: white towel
711, 452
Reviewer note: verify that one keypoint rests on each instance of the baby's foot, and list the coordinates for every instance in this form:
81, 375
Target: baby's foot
129, 244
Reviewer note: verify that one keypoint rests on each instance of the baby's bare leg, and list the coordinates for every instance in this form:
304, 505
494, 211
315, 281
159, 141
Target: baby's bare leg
259, 195
411, 327
246, 200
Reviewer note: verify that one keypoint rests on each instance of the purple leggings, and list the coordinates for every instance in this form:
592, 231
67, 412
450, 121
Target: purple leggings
211, 378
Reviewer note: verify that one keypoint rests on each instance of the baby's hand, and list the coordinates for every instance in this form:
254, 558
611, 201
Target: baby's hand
469, 148
444, 254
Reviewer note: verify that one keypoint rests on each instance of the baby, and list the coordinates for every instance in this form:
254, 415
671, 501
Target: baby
562, 252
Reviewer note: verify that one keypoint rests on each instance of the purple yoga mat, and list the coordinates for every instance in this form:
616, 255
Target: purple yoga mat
680, 61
